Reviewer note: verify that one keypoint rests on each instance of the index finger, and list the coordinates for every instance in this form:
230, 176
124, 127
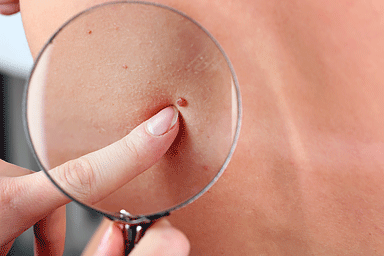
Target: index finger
89, 178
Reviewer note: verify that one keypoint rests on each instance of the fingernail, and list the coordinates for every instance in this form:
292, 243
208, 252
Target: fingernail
163, 121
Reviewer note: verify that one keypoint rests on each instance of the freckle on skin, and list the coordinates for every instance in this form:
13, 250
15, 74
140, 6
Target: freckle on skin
89, 31
125, 66
182, 102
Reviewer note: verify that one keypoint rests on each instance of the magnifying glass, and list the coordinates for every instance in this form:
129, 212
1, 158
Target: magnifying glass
112, 67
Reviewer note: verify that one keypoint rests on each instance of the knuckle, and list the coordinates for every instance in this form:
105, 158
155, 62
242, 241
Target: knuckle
130, 148
78, 177
9, 191
5, 195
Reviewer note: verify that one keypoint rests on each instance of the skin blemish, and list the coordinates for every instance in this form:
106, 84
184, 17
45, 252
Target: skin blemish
89, 32
125, 66
182, 102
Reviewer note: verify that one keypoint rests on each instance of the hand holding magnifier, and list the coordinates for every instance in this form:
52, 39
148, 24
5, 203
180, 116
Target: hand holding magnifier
109, 69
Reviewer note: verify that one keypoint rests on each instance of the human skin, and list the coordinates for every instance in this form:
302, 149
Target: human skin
307, 174
86, 178
135, 59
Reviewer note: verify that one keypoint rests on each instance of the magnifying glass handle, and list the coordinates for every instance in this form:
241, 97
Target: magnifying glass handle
132, 234
135, 227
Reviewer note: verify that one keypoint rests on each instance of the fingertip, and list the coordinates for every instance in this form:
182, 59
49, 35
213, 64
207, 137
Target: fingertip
9, 9
163, 122
163, 239
107, 240
178, 242
162, 223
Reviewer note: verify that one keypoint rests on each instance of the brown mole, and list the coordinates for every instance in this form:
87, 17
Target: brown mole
182, 102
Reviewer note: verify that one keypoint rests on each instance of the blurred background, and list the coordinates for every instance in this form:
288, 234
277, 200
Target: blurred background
15, 65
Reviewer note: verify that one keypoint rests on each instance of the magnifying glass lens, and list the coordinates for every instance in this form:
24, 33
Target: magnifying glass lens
114, 66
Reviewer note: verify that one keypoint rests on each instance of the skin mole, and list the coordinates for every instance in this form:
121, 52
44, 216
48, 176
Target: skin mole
182, 102
89, 32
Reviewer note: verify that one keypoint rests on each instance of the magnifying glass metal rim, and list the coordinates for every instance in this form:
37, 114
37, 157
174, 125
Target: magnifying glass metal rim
125, 217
